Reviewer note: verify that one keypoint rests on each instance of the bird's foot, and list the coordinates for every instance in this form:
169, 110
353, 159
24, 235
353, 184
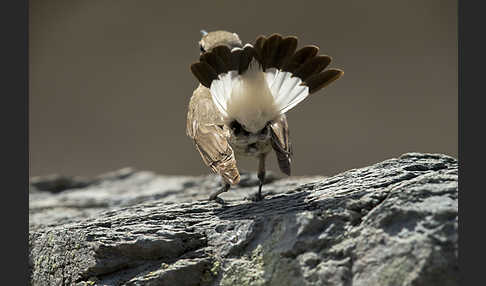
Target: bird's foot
218, 200
258, 196
214, 196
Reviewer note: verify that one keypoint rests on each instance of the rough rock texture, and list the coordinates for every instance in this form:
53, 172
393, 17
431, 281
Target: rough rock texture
393, 223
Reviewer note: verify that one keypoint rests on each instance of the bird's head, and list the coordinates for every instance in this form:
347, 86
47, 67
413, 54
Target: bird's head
218, 38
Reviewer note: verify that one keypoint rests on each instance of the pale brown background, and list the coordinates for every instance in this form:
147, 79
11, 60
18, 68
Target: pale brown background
110, 81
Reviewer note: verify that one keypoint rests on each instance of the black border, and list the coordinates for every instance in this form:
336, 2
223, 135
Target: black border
14, 123
471, 86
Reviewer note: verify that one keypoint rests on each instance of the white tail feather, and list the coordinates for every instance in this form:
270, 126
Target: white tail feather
255, 97
286, 89
294, 97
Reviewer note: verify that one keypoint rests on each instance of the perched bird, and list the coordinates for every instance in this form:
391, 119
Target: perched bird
239, 107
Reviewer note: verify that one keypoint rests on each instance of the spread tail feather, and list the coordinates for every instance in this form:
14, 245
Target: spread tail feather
290, 76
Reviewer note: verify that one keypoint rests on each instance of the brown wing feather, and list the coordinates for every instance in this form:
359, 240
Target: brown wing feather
281, 143
205, 126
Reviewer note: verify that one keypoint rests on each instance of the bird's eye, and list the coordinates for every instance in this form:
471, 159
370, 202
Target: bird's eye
201, 48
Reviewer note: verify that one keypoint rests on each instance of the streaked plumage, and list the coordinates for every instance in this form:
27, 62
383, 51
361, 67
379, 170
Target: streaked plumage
239, 107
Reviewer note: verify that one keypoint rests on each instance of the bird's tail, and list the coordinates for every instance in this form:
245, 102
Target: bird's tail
290, 74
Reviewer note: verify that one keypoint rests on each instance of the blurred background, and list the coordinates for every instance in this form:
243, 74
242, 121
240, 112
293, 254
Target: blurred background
110, 81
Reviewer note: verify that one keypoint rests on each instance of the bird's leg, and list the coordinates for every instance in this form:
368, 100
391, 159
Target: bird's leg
214, 195
261, 175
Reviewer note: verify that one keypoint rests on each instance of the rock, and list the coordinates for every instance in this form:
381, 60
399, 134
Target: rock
392, 223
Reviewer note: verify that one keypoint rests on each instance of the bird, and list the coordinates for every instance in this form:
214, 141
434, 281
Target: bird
239, 107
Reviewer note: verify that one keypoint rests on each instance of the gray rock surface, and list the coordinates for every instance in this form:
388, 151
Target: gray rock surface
392, 223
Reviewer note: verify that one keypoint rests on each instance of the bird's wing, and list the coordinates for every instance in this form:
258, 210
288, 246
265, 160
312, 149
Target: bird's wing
279, 130
204, 126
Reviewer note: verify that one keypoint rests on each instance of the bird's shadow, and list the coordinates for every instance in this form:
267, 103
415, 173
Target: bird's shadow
271, 205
